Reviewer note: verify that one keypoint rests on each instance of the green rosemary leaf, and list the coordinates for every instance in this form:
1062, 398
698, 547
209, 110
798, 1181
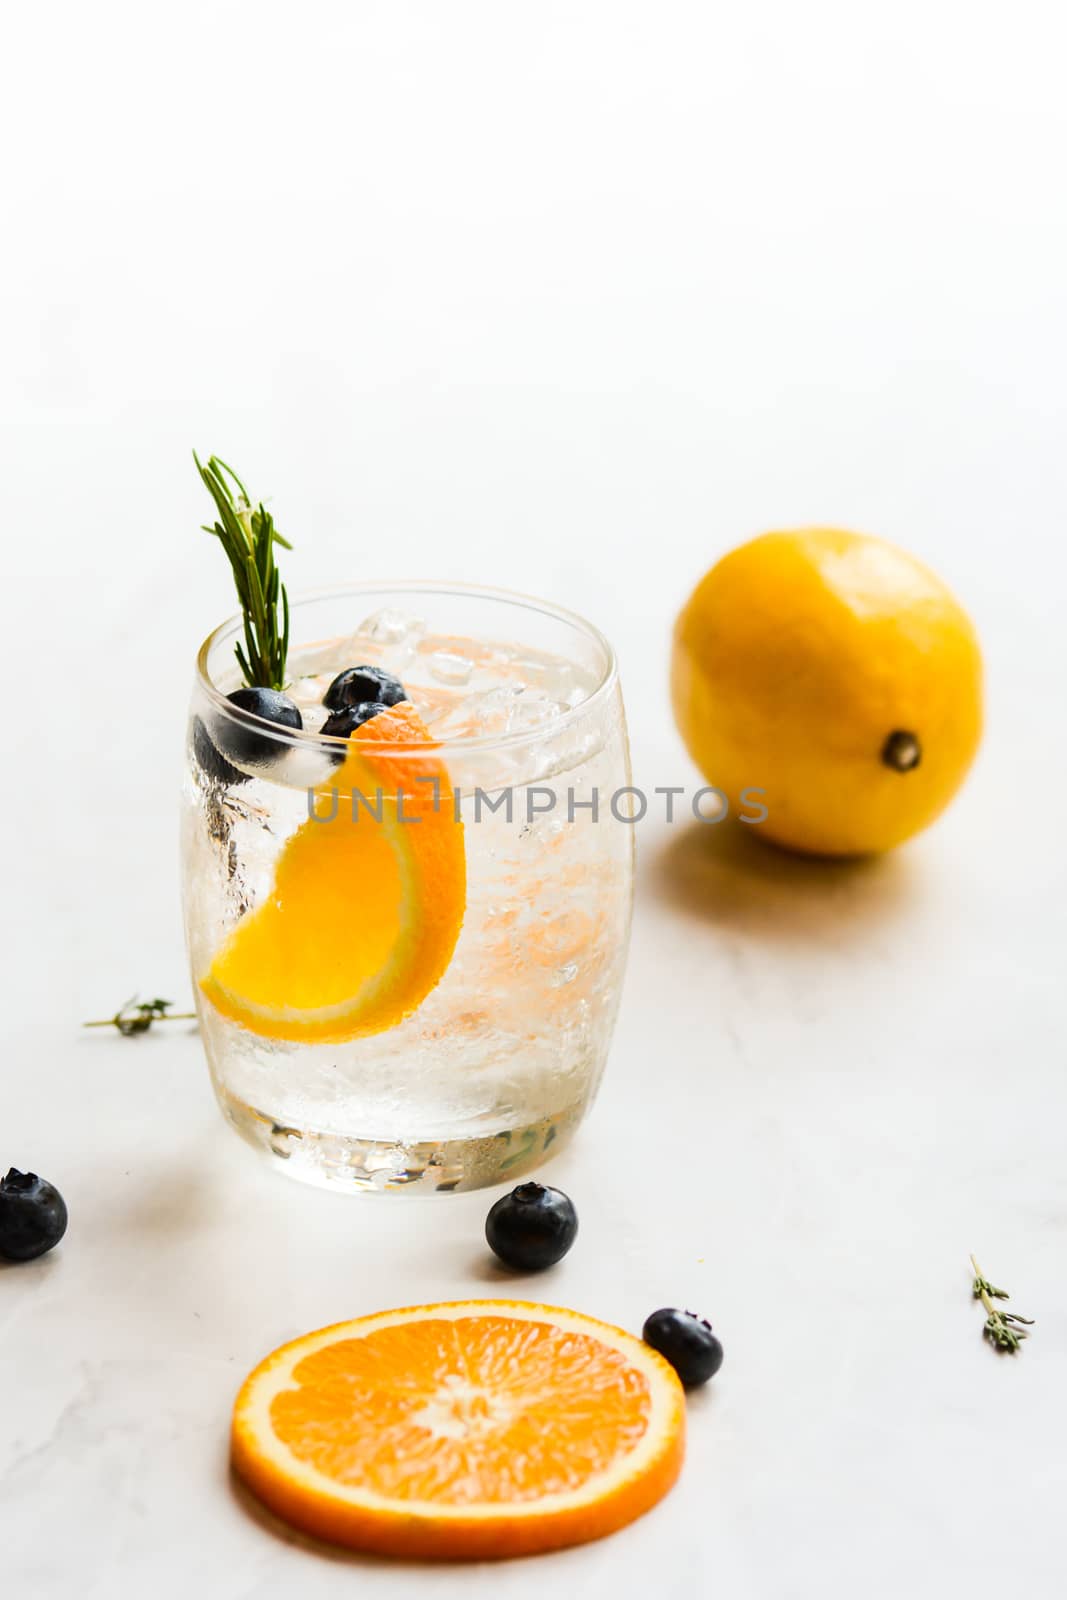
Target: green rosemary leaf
218, 462
247, 534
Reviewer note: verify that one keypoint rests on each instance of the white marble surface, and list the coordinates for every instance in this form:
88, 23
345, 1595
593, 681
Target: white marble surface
570, 299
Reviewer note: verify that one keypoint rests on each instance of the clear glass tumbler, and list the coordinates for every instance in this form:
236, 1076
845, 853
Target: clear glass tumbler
475, 879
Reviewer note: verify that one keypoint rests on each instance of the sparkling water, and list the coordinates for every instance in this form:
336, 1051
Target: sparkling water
498, 1064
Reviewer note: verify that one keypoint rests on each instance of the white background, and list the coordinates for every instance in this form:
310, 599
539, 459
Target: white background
568, 297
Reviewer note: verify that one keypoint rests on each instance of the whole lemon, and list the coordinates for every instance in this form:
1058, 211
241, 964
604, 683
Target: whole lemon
837, 674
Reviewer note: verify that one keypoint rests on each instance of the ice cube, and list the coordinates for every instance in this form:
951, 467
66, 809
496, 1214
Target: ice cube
488, 712
555, 678
448, 667
462, 718
532, 708
390, 639
314, 714
496, 707
509, 708
434, 715
306, 767
327, 658
390, 628
307, 691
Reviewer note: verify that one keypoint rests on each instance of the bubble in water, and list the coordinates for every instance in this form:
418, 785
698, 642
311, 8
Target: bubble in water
448, 667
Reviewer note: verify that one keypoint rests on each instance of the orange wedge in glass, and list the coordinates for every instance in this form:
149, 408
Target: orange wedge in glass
466, 1431
367, 900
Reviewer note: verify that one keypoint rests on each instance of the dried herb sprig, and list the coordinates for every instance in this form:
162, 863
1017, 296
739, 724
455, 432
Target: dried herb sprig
248, 536
137, 1016
1003, 1329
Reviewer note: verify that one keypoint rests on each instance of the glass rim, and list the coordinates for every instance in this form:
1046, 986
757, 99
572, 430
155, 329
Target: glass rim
304, 738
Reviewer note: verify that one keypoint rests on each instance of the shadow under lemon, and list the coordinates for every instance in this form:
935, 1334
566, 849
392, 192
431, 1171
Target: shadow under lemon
724, 874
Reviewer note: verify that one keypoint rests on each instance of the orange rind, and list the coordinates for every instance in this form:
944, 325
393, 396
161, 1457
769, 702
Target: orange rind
471, 1430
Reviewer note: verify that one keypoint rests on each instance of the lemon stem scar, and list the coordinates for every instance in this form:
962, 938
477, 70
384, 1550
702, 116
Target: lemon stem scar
902, 751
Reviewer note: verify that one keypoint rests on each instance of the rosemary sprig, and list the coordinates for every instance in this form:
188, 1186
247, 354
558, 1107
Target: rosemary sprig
1003, 1329
137, 1016
248, 536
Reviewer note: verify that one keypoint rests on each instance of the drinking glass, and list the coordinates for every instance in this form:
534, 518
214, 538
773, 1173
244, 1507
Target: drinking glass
491, 1070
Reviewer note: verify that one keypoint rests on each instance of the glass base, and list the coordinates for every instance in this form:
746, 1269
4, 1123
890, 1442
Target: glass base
446, 1166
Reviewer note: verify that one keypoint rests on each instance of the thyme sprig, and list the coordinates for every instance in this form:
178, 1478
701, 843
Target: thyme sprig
248, 536
1003, 1329
137, 1016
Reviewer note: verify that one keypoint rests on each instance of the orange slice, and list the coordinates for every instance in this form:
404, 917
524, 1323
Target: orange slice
465, 1431
365, 908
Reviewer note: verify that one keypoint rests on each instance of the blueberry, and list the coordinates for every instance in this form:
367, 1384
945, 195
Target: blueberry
245, 743
345, 722
240, 740
687, 1342
364, 685
33, 1216
210, 760
532, 1227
